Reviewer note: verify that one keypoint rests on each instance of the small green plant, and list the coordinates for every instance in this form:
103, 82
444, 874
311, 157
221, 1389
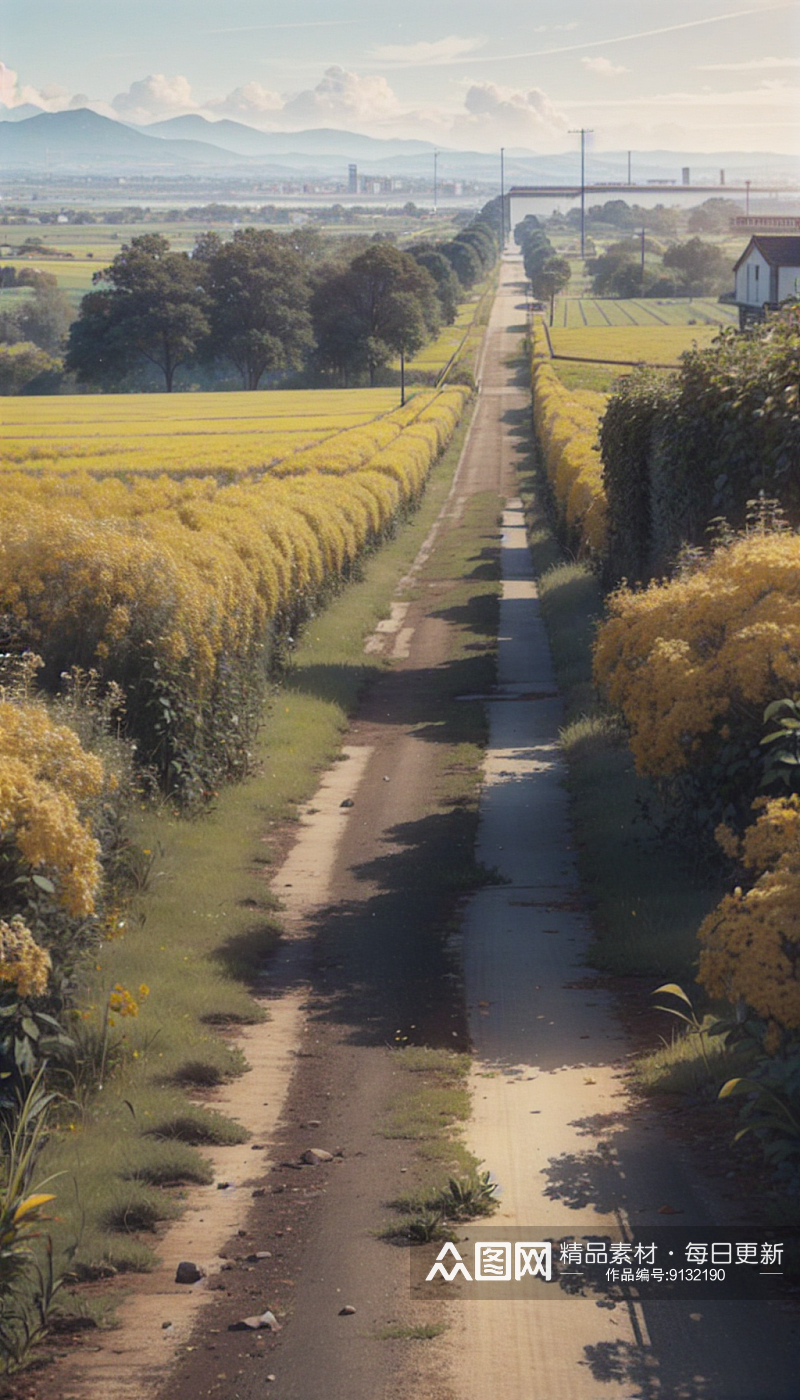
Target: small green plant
771, 1111
469, 1196
782, 745
696, 1026
28, 1287
200, 1130
428, 1226
420, 1332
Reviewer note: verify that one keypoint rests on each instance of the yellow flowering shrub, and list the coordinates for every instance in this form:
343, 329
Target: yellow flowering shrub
566, 423
45, 779
690, 661
751, 942
23, 964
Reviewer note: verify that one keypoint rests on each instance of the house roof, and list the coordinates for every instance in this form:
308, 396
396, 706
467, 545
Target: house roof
777, 249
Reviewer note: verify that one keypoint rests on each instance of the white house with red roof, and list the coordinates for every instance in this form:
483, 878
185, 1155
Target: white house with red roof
767, 273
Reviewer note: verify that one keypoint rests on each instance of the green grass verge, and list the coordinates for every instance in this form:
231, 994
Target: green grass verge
429, 1107
197, 933
647, 904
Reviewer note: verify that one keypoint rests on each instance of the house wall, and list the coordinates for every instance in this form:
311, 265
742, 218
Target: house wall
753, 280
788, 282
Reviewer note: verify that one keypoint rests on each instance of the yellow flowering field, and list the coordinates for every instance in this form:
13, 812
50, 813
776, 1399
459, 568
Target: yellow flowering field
567, 423
190, 433
652, 345
176, 586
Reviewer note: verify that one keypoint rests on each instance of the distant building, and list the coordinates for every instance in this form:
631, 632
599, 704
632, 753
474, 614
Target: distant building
352, 179
767, 273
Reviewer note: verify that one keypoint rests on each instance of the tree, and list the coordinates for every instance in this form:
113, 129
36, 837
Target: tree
618, 271
374, 309
551, 278
258, 293
448, 287
45, 318
464, 260
713, 215
153, 309
703, 267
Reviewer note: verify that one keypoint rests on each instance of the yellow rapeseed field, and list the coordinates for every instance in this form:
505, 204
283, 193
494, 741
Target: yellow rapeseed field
173, 579
178, 433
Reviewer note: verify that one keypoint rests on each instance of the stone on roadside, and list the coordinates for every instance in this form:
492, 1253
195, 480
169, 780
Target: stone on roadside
314, 1156
266, 1320
347, 1310
187, 1272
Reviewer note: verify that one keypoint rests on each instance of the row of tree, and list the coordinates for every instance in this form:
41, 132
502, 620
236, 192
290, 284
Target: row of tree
547, 273
266, 302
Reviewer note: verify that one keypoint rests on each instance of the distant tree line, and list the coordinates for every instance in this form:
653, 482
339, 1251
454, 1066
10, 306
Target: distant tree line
266, 302
693, 268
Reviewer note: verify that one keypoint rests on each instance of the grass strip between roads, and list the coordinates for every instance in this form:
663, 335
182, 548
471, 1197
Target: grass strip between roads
647, 903
202, 924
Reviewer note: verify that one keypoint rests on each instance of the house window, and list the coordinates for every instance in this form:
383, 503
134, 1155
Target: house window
758, 269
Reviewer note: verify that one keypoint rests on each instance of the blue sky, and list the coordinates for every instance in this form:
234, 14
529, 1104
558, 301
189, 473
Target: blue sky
694, 74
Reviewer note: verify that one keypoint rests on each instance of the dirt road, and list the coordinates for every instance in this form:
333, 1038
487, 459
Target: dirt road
369, 894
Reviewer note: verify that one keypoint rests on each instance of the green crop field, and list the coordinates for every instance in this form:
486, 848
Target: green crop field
187, 434
574, 312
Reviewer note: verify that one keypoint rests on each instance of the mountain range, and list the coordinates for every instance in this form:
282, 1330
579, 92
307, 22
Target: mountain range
81, 141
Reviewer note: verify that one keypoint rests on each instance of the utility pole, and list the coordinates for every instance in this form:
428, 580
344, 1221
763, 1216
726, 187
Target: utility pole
502, 199
435, 166
583, 132
642, 237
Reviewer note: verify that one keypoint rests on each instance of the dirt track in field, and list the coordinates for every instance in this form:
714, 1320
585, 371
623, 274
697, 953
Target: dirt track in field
366, 960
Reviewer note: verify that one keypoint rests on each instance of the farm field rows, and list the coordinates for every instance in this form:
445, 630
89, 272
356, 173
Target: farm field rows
178, 433
649, 344
575, 312
174, 583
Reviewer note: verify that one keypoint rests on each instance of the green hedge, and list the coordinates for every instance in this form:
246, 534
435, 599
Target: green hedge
681, 451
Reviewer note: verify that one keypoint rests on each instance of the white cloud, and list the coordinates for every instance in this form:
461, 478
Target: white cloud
749, 65
426, 51
603, 67
154, 98
495, 114
251, 103
341, 97
52, 98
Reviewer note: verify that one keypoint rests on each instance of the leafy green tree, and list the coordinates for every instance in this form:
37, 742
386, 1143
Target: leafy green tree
464, 260
151, 309
551, 277
703, 267
374, 309
257, 292
45, 318
618, 271
713, 215
448, 287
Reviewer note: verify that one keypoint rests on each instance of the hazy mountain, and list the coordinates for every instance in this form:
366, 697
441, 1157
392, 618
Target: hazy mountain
248, 140
19, 114
82, 138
